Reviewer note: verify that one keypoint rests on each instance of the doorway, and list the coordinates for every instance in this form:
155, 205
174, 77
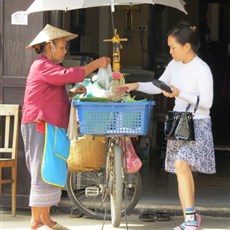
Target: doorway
215, 50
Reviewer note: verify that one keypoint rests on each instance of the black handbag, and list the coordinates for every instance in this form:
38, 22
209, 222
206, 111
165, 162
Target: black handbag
179, 125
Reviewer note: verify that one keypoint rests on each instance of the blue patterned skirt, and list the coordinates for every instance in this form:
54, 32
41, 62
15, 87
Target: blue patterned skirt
198, 154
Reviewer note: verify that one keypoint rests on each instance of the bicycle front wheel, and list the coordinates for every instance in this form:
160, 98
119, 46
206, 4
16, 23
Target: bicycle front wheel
78, 183
116, 185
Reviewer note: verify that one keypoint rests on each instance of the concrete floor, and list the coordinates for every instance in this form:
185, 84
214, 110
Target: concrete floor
159, 190
159, 193
22, 220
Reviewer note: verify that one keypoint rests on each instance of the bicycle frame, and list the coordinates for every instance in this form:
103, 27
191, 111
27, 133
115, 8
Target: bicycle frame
111, 182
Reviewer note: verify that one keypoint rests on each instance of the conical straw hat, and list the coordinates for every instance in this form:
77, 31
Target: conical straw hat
50, 33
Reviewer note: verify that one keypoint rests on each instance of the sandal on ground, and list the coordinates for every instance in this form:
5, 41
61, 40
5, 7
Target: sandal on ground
59, 227
44, 227
198, 219
146, 217
192, 227
178, 228
182, 226
162, 216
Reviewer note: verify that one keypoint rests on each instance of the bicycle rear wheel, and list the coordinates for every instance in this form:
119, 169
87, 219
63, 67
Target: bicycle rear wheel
79, 182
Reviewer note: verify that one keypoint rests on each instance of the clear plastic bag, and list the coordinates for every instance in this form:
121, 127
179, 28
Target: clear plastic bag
104, 77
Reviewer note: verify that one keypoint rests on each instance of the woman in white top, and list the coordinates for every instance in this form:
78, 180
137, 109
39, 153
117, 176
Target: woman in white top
189, 77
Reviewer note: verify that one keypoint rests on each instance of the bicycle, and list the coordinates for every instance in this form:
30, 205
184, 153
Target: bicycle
89, 191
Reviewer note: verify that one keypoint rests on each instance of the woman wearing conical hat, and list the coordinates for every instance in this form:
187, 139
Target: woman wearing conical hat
47, 102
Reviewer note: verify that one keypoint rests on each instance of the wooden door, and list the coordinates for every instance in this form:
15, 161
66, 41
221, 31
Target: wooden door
15, 62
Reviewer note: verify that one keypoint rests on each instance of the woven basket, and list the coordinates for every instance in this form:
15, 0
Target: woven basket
87, 153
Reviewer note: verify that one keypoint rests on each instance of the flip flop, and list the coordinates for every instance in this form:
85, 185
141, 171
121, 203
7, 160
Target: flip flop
59, 227
188, 227
179, 228
146, 217
44, 227
162, 216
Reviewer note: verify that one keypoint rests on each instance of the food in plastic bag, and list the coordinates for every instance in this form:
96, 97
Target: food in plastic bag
102, 85
94, 90
87, 83
134, 163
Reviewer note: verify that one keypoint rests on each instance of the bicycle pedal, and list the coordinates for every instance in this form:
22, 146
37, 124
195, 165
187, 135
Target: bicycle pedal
129, 186
92, 191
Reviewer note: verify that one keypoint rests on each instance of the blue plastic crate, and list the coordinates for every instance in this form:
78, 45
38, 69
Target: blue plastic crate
128, 118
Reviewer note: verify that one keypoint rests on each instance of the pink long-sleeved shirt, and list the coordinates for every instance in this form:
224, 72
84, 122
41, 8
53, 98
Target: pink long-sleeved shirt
45, 95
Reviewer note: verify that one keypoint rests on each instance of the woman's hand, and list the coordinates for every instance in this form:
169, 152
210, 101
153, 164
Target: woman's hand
102, 62
79, 90
126, 88
175, 92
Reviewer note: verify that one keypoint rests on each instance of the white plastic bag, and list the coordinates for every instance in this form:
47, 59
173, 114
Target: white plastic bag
104, 77
97, 90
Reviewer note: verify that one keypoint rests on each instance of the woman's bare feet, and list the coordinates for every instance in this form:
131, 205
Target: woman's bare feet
48, 221
34, 225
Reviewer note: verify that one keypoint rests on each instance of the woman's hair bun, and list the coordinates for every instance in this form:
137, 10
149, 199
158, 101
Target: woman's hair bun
187, 24
193, 28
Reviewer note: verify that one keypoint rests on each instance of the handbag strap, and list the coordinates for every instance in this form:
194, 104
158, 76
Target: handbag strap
196, 106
